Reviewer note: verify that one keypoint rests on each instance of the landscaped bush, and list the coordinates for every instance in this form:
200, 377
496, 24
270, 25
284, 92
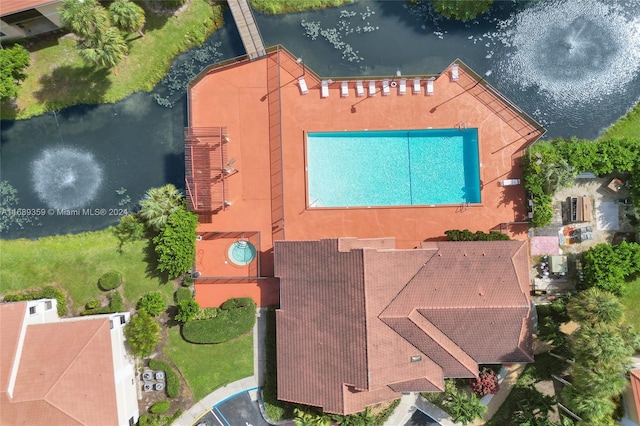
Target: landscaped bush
153, 302
175, 243
238, 302
227, 325
143, 334
173, 382
48, 292
607, 266
92, 304
486, 383
160, 407
183, 293
187, 281
109, 281
187, 309
466, 235
206, 313
116, 304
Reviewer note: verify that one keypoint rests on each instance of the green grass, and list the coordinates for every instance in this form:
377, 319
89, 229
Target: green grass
274, 7
627, 127
75, 263
58, 78
631, 301
208, 367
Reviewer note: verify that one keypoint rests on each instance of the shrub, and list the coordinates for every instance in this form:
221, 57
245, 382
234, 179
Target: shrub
13, 62
173, 382
183, 293
239, 302
466, 235
462, 10
116, 304
143, 334
206, 313
227, 325
187, 281
110, 280
187, 309
486, 383
160, 407
92, 304
153, 302
175, 243
47, 292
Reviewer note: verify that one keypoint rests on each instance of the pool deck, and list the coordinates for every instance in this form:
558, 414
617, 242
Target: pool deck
261, 104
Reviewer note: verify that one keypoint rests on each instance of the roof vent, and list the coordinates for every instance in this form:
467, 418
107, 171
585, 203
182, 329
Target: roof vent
416, 358
465, 255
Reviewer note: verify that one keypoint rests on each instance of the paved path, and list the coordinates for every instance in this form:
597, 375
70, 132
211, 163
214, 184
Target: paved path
513, 373
205, 404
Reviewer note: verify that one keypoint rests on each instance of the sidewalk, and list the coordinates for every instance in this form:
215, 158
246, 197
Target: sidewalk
190, 416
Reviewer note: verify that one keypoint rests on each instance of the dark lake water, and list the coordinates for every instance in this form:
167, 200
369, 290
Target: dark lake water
573, 65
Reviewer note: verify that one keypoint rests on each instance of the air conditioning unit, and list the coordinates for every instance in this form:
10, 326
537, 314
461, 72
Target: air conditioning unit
148, 387
159, 386
147, 375
159, 375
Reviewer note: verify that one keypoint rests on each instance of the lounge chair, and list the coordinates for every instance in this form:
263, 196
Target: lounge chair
303, 86
359, 88
344, 89
454, 73
372, 88
385, 88
430, 86
402, 89
510, 182
325, 89
416, 86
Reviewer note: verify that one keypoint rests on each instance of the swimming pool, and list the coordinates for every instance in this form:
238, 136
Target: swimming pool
393, 168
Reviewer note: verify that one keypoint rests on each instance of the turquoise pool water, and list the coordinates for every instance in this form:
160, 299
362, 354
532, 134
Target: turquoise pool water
393, 168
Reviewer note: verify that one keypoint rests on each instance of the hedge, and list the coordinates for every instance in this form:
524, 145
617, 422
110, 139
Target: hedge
110, 280
466, 235
239, 302
183, 293
206, 313
47, 292
116, 304
228, 325
173, 382
160, 407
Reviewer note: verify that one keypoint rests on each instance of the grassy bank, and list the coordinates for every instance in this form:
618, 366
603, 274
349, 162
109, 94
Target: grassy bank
275, 7
75, 263
58, 78
208, 367
631, 301
627, 127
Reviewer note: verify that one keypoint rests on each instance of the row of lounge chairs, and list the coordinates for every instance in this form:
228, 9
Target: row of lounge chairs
372, 87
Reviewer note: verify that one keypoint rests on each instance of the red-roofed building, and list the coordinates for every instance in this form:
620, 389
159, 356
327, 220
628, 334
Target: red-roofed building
26, 18
72, 371
632, 399
360, 322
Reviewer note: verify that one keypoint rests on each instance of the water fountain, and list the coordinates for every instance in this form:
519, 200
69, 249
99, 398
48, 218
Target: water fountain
66, 178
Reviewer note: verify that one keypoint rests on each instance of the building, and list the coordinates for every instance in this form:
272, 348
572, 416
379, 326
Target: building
71, 371
26, 18
360, 322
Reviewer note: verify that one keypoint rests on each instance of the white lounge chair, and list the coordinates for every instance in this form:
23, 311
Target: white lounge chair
372, 88
385, 88
510, 182
430, 86
402, 89
344, 89
454, 73
359, 88
325, 88
416, 86
303, 86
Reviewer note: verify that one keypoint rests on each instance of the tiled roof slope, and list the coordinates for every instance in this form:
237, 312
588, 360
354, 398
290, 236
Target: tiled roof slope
11, 318
635, 387
450, 305
65, 376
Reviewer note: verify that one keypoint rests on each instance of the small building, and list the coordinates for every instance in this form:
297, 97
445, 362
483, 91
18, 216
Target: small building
64, 371
26, 18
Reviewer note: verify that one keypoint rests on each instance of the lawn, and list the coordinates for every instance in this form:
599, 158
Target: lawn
627, 127
58, 78
75, 263
631, 301
208, 367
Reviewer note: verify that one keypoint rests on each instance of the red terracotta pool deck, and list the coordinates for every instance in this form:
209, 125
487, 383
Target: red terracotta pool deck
260, 104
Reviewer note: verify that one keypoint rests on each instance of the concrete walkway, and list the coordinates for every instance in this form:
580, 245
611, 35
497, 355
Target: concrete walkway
513, 373
201, 407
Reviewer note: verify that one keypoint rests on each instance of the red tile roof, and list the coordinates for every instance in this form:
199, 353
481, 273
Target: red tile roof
65, 375
11, 6
11, 319
352, 317
635, 386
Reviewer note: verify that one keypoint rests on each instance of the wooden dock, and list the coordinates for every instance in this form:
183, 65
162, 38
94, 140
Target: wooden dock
248, 29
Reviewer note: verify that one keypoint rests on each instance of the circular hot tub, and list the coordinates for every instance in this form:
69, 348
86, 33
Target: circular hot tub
241, 253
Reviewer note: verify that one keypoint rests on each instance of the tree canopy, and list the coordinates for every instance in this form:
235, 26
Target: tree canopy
175, 244
127, 16
13, 62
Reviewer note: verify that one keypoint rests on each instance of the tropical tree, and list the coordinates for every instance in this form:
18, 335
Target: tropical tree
143, 334
12, 65
594, 306
176, 243
303, 418
158, 204
127, 16
85, 18
153, 303
465, 408
105, 49
128, 230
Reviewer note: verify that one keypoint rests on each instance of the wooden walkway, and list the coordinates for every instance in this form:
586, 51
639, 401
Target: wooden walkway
248, 29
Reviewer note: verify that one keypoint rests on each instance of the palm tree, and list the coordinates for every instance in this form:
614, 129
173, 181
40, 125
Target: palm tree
158, 204
594, 306
464, 408
105, 49
593, 409
85, 18
127, 16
